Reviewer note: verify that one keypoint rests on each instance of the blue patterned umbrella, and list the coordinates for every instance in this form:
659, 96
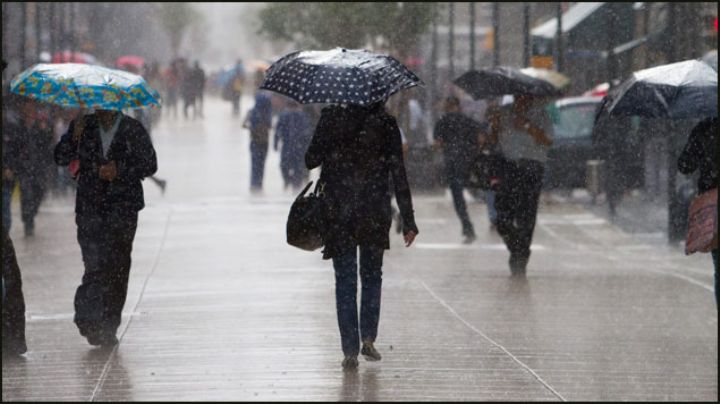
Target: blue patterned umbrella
338, 76
76, 85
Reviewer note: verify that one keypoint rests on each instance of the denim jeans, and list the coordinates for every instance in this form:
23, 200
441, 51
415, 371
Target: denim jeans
492, 212
346, 296
715, 264
258, 154
6, 201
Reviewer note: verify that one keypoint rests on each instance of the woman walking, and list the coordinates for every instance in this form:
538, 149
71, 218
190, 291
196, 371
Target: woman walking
360, 149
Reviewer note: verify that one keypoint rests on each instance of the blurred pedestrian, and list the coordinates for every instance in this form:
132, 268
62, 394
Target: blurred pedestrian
172, 87
115, 154
612, 143
235, 85
188, 88
259, 121
524, 132
10, 154
34, 156
198, 79
457, 135
359, 149
700, 154
293, 131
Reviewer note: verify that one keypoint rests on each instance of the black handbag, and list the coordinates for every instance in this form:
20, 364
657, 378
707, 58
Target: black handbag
488, 169
306, 219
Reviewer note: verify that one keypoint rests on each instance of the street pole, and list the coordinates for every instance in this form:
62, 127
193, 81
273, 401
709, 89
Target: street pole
558, 39
62, 41
433, 71
72, 27
451, 41
673, 231
526, 34
496, 33
23, 40
610, 59
472, 35
38, 37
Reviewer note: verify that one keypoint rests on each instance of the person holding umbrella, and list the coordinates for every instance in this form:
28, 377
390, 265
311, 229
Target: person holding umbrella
111, 153
358, 146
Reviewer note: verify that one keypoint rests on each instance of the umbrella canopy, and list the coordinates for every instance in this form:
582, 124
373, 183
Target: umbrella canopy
73, 57
84, 86
559, 80
499, 81
130, 60
711, 58
683, 90
338, 76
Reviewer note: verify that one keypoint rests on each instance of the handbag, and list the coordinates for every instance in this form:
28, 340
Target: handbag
702, 233
487, 170
305, 222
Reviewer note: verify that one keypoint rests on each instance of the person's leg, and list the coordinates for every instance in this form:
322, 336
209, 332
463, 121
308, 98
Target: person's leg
715, 253
27, 191
529, 197
90, 297
236, 105
371, 260
456, 190
121, 228
492, 212
13, 307
255, 181
262, 156
345, 266
7, 201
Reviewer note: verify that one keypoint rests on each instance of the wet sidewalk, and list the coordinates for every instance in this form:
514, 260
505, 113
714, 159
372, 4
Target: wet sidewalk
221, 308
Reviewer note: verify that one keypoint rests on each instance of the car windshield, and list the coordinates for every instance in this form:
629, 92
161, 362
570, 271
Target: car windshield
573, 121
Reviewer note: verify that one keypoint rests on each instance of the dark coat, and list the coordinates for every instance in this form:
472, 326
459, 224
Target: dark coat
700, 152
133, 153
359, 152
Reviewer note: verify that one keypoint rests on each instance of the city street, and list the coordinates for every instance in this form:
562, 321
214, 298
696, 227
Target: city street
221, 308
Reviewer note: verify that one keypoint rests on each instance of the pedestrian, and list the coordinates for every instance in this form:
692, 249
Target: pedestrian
172, 87
359, 149
198, 79
235, 86
294, 132
189, 89
10, 154
13, 305
524, 133
259, 121
612, 143
115, 154
34, 156
457, 135
700, 154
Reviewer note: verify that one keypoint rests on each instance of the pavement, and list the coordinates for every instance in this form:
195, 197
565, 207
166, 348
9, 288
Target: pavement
220, 308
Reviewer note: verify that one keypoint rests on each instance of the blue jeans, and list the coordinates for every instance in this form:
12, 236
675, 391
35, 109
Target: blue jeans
346, 296
258, 153
715, 264
456, 190
6, 200
492, 212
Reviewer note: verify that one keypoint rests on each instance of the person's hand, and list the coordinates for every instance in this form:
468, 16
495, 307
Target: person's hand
8, 174
409, 238
108, 172
79, 127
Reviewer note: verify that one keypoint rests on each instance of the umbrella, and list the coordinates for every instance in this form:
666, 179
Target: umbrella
84, 86
559, 80
683, 90
338, 76
130, 60
711, 58
499, 81
73, 57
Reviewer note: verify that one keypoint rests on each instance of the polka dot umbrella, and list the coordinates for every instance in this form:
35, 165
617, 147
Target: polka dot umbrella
77, 85
338, 76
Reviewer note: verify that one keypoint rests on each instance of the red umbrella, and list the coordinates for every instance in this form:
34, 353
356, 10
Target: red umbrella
130, 60
73, 57
599, 90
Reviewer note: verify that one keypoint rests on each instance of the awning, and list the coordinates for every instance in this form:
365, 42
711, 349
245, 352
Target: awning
570, 19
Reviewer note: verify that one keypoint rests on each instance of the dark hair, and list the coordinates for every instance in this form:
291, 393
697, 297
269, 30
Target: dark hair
452, 101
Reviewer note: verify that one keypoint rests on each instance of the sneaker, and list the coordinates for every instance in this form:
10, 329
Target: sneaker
162, 184
350, 363
13, 347
369, 352
108, 340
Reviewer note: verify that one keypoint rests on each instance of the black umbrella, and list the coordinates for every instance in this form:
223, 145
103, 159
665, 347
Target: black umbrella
683, 90
499, 81
338, 76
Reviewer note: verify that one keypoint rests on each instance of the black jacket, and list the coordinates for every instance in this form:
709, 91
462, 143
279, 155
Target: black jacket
700, 152
133, 153
359, 152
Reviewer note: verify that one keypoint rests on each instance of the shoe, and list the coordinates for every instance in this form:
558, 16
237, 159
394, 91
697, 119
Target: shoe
350, 363
162, 184
469, 239
29, 230
94, 339
108, 340
518, 265
13, 347
369, 352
